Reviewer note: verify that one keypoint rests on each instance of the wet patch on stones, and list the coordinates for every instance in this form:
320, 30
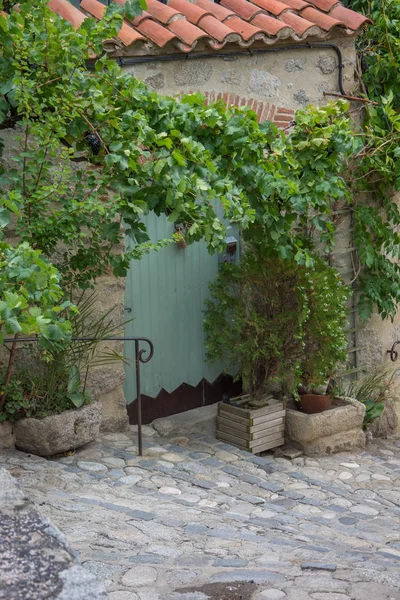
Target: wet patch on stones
235, 590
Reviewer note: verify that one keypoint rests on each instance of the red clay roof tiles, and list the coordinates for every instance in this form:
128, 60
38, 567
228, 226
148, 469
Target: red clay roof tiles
323, 20
300, 25
297, 4
183, 24
188, 33
217, 10
126, 34
155, 32
351, 19
162, 12
271, 26
192, 12
274, 7
218, 30
68, 12
325, 5
244, 9
246, 30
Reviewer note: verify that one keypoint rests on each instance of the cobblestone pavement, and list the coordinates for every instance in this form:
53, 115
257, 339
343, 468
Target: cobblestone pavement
193, 516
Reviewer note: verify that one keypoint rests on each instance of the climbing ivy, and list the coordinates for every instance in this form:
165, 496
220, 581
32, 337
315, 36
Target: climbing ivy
375, 176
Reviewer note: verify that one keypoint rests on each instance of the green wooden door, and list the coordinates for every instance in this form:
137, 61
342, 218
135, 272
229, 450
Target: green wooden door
165, 295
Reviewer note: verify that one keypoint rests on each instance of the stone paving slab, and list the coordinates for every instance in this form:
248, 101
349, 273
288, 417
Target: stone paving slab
195, 512
35, 560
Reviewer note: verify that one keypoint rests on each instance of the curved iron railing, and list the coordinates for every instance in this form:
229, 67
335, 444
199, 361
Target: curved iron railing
140, 357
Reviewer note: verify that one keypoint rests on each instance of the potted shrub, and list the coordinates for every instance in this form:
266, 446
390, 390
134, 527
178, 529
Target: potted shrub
282, 326
253, 322
324, 338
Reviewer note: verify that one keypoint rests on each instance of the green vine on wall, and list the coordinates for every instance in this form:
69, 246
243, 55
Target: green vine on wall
98, 149
376, 173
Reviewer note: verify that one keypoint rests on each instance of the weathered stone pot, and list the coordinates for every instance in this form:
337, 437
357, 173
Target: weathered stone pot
7, 435
58, 433
335, 430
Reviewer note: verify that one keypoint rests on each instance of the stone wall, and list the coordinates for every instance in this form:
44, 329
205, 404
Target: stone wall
286, 78
106, 382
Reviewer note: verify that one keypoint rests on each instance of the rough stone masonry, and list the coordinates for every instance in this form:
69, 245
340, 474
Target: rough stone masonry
35, 559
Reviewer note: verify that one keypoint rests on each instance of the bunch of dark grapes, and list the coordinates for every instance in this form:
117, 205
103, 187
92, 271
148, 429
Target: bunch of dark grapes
94, 142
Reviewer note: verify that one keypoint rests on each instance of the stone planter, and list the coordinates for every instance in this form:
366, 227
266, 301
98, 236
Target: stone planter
58, 433
335, 430
252, 429
7, 435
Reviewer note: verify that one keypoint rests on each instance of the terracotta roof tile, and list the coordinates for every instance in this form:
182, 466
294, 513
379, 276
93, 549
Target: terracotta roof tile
216, 9
321, 19
67, 11
192, 12
183, 23
244, 9
300, 25
162, 12
128, 35
188, 33
155, 32
140, 18
246, 30
218, 30
271, 26
297, 4
325, 5
272, 6
95, 8
351, 19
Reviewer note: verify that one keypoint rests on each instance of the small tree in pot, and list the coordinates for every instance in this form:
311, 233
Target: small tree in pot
277, 321
254, 320
324, 338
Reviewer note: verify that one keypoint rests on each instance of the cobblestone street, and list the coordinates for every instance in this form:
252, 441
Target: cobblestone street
194, 515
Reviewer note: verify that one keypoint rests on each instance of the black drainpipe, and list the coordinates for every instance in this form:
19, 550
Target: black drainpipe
125, 61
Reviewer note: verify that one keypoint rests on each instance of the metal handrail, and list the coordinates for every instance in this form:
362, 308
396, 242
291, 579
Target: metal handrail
140, 357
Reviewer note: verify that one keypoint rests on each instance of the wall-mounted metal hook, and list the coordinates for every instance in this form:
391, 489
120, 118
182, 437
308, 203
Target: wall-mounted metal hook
393, 352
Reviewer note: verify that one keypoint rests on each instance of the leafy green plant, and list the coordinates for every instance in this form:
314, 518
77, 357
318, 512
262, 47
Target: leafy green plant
99, 149
324, 339
49, 380
371, 390
37, 390
18, 403
30, 303
81, 355
267, 315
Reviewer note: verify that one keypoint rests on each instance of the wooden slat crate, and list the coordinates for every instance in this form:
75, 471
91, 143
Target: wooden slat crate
252, 429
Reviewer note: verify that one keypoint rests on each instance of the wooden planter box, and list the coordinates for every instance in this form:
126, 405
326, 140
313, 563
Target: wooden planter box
252, 429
